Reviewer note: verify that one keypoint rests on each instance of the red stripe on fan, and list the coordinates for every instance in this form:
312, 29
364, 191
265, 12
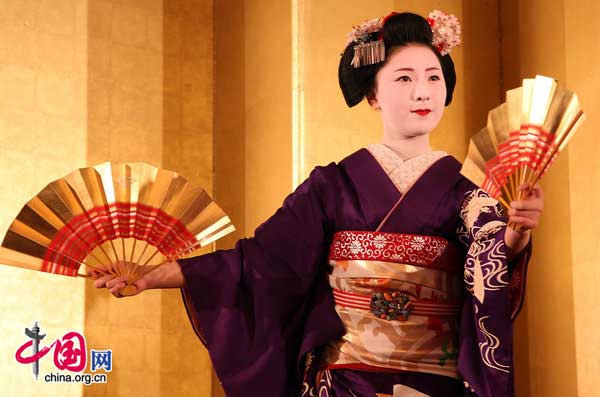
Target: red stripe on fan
100, 224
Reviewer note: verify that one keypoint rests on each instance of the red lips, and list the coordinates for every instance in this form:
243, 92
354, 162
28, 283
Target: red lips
422, 112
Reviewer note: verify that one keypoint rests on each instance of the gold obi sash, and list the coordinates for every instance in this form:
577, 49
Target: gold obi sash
399, 297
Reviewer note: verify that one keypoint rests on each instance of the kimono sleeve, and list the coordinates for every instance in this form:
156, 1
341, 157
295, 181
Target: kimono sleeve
478, 204
247, 303
485, 353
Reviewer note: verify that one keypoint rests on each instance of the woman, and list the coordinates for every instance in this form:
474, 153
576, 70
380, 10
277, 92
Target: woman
356, 285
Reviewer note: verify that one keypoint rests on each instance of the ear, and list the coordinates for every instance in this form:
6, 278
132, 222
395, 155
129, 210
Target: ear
372, 99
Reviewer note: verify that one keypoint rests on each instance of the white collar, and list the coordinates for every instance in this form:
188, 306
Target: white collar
403, 173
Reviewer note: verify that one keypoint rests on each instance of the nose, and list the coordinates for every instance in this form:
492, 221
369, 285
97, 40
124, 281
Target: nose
421, 91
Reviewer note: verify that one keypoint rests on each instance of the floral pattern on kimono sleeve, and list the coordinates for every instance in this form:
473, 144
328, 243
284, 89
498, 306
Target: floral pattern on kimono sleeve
487, 315
482, 233
477, 208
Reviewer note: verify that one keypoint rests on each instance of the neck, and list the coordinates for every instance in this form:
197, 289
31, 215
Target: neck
408, 147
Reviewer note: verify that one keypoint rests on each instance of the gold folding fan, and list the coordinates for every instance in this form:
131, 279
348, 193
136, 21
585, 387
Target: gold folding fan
119, 219
522, 138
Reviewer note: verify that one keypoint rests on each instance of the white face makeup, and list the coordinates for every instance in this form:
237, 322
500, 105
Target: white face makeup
410, 92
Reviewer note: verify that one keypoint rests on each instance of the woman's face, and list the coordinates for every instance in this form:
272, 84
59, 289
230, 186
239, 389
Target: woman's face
410, 92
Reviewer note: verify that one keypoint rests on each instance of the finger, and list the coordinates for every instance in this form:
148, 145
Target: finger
121, 279
537, 191
95, 273
518, 205
526, 223
529, 204
116, 290
141, 284
532, 214
101, 282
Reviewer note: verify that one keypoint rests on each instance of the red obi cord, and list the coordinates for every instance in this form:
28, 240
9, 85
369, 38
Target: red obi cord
417, 307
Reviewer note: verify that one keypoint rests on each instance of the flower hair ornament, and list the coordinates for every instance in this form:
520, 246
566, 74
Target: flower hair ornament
446, 31
370, 48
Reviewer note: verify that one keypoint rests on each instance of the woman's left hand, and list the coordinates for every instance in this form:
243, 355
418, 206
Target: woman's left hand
527, 212
526, 215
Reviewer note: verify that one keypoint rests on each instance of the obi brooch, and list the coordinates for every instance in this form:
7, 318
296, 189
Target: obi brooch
391, 305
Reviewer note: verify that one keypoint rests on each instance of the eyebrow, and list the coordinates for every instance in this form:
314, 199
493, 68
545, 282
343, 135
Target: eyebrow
412, 70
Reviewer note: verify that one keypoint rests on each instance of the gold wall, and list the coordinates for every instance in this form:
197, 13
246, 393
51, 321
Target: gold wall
125, 112
85, 82
229, 114
151, 92
253, 111
267, 107
582, 60
43, 86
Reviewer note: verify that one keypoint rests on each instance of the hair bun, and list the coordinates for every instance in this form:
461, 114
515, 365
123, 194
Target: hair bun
354, 82
406, 28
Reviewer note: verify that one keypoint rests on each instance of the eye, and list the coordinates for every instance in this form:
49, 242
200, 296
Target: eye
434, 77
404, 79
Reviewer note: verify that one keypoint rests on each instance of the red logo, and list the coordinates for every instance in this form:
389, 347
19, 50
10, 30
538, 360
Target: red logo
70, 352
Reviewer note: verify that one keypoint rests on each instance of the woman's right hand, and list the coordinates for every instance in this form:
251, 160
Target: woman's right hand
116, 284
166, 276
121, 286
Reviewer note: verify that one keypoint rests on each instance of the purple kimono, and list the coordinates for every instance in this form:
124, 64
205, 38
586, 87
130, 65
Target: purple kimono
261, 307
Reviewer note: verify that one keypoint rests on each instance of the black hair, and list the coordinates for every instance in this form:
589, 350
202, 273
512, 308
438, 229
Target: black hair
399, 30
